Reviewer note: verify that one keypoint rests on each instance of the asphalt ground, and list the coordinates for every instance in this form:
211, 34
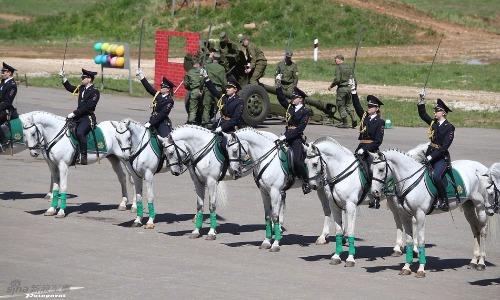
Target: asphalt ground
94, 254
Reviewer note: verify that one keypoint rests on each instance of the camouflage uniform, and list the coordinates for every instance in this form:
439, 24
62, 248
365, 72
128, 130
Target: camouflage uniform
344, 102
258, 63
193, 84
217, 75
289, 78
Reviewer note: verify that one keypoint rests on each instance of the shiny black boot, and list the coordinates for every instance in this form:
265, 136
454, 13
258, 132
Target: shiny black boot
375, 204
306, 188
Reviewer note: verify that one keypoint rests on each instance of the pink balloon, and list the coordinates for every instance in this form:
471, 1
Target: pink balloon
113, 61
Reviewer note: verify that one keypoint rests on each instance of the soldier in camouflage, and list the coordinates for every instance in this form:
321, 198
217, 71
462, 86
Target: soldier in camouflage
217, 75
193, 83
288, 74
256, 61
343, 73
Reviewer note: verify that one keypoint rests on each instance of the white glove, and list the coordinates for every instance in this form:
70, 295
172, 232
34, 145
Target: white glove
282, 138
422, 96
147, 125
360, 151
203, 73
71, 116
218, 129
139, 74
352, 84
61, 73
429, 158
279, 76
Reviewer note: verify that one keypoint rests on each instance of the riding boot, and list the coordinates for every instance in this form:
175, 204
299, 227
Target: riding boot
3, 139
306, 188
375, 203
83, 157
442, 197
343, 124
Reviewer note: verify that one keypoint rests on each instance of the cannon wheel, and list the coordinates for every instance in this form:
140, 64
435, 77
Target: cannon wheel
256, 104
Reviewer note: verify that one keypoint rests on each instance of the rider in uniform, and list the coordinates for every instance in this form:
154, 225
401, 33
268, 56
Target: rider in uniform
161, 105
229, 104
83, 115
8, 91
297, 117
441, 134
371, 133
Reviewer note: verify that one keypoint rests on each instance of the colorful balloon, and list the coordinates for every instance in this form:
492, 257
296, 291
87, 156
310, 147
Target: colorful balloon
113, 61
97, 59
97, 46
120, 50
112, 49
104, 59
104, 47
120, 62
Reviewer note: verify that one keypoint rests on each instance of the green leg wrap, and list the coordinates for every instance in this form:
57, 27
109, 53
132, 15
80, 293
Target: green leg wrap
55, 198
421, 255
151, 209
277, 231
409, 253
269, 229
213, 220
199, 220
62, 196
338, 244
139, 208
352, 249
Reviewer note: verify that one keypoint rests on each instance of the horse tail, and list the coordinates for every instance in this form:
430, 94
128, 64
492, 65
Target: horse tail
493, 229
220, 194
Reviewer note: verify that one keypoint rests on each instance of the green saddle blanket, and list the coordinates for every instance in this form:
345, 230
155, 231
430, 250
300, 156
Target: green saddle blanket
16, 131
286, 165
219, 152
389, 187
155, 145
450, 190
101, 142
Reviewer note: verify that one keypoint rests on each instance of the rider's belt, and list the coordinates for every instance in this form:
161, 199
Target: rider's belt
435, 146
366, 141
291, 127
226, 118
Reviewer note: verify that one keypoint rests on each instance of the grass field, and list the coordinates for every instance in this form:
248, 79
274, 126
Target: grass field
473, 13
35, 8
401, 113
444, 76
119, 20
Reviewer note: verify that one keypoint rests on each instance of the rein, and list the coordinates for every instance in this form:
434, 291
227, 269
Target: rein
47, 146
496, 205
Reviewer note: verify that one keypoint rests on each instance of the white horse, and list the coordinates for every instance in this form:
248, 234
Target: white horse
48, 132
195, 148
418, 202
136, 143
328, 161
251, 149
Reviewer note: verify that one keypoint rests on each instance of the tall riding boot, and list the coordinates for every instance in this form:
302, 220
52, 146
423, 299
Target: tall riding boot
442, 197
306, 188
83, 155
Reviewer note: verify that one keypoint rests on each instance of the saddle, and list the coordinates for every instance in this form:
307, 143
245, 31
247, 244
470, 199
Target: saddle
285, 155
454, 190
13, 131
95, 140
221, 154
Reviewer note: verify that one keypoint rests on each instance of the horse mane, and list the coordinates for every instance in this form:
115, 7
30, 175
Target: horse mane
191, 126
331, 140
132, 121
254, 131
397, 150
40, 112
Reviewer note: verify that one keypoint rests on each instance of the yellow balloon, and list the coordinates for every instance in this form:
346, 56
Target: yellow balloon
120, 50
120, 62
105, 47
112, 49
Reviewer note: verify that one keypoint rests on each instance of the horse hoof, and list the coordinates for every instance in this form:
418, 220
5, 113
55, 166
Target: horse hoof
265, 246
210, 237
136, 224
405, 272
149, 226
60, 216
194, 235
49, 213
122, 207
472, 266
48, 196
396, 254
335, 261
275, 249
420, 274
349, 264
480, 267
321, 241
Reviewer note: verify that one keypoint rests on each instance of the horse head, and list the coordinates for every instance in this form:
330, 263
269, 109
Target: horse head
238, 155
32, 136
177, 154
124, 137
490, 186
380, 172
315, 165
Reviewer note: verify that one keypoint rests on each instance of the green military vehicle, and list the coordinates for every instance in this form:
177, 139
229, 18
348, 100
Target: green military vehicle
258, 104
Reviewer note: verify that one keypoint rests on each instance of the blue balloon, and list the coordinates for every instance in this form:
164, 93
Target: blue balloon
97, 59
104, 59
97, 46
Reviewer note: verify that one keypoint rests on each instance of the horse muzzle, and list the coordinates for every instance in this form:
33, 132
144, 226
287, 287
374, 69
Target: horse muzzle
34, 153
175, 173
313, 186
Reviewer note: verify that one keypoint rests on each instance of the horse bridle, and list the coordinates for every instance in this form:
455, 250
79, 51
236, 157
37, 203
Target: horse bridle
180, 161
321, 174
242, 157
39, 138
496, 205
130, 141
